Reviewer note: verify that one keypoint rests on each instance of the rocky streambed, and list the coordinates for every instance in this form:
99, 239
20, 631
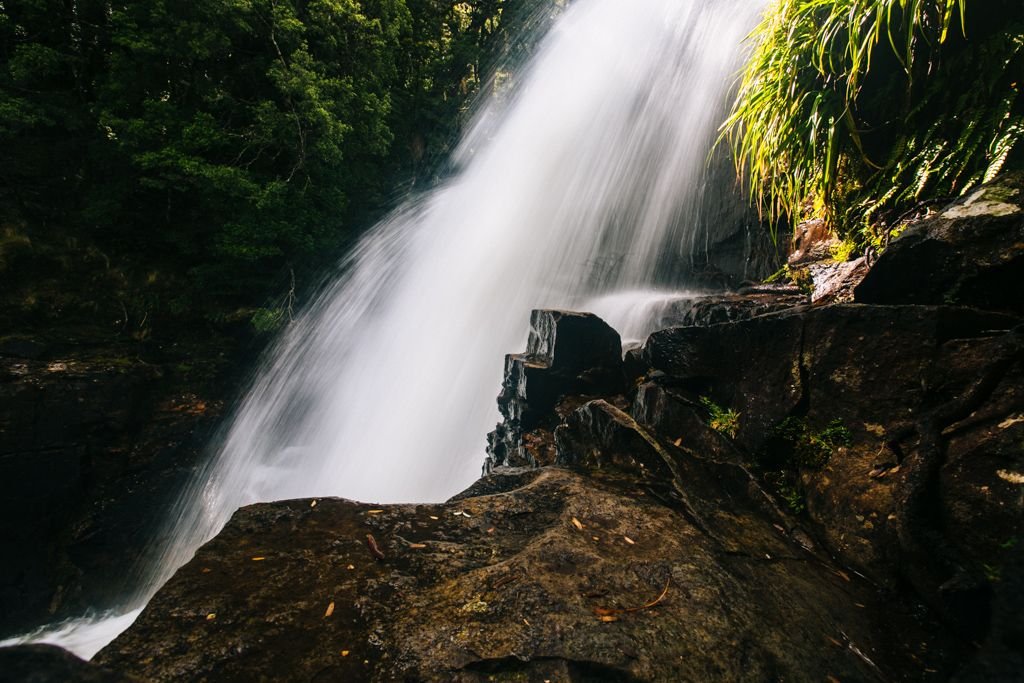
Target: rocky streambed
780, 492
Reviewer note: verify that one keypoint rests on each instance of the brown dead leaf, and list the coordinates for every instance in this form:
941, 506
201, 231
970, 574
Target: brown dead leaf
678, 442
629, 540
843, 575
834, 641
434, 518
607, 618
258, 558
417, 545
330, 610
491, 530
374, 512
610, 611
371, 543
577, 523
313, 504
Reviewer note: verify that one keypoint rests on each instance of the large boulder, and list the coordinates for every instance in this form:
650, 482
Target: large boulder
565, 577
971, 254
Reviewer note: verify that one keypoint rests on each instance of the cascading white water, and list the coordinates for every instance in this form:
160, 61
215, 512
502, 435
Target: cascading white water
585, 184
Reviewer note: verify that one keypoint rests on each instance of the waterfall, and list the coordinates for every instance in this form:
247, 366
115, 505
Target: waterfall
584, 185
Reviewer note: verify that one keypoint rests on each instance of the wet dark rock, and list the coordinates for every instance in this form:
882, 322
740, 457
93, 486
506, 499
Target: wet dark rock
971, 254
567, 353
748, 302
569, 576
51, 664
599, 436
922, 488
880, 371
94, 443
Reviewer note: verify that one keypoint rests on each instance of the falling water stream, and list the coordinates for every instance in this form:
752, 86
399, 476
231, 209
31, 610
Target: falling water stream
582, 190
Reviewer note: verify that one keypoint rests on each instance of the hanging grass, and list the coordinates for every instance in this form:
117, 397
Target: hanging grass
857, 109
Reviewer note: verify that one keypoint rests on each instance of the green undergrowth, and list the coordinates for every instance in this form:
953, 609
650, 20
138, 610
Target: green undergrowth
865, 108
793, 447
723, 420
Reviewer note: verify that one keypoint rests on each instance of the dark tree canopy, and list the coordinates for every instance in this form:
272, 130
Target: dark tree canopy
216, 144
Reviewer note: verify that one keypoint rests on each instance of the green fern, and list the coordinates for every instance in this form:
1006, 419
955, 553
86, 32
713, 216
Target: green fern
869, 106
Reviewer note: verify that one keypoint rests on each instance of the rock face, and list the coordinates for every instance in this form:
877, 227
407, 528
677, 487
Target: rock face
971, 253
48, 664
567, 353
94, 442
562, 577
930, 401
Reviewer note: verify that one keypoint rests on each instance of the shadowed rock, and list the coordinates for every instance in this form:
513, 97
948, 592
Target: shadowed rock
567, 577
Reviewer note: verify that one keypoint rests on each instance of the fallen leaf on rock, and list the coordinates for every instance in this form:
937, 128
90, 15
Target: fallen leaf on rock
678, 442
505, 580
629, 540
1010, 421
610, 611
577, 523
371, 543
1012, 477
330, 610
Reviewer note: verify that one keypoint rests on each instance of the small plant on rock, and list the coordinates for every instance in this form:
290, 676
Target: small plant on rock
809, 448
720, 419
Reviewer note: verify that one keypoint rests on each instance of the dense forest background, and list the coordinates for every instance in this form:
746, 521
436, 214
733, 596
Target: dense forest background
164, 161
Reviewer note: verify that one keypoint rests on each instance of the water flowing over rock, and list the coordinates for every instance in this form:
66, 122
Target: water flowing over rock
589, 178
